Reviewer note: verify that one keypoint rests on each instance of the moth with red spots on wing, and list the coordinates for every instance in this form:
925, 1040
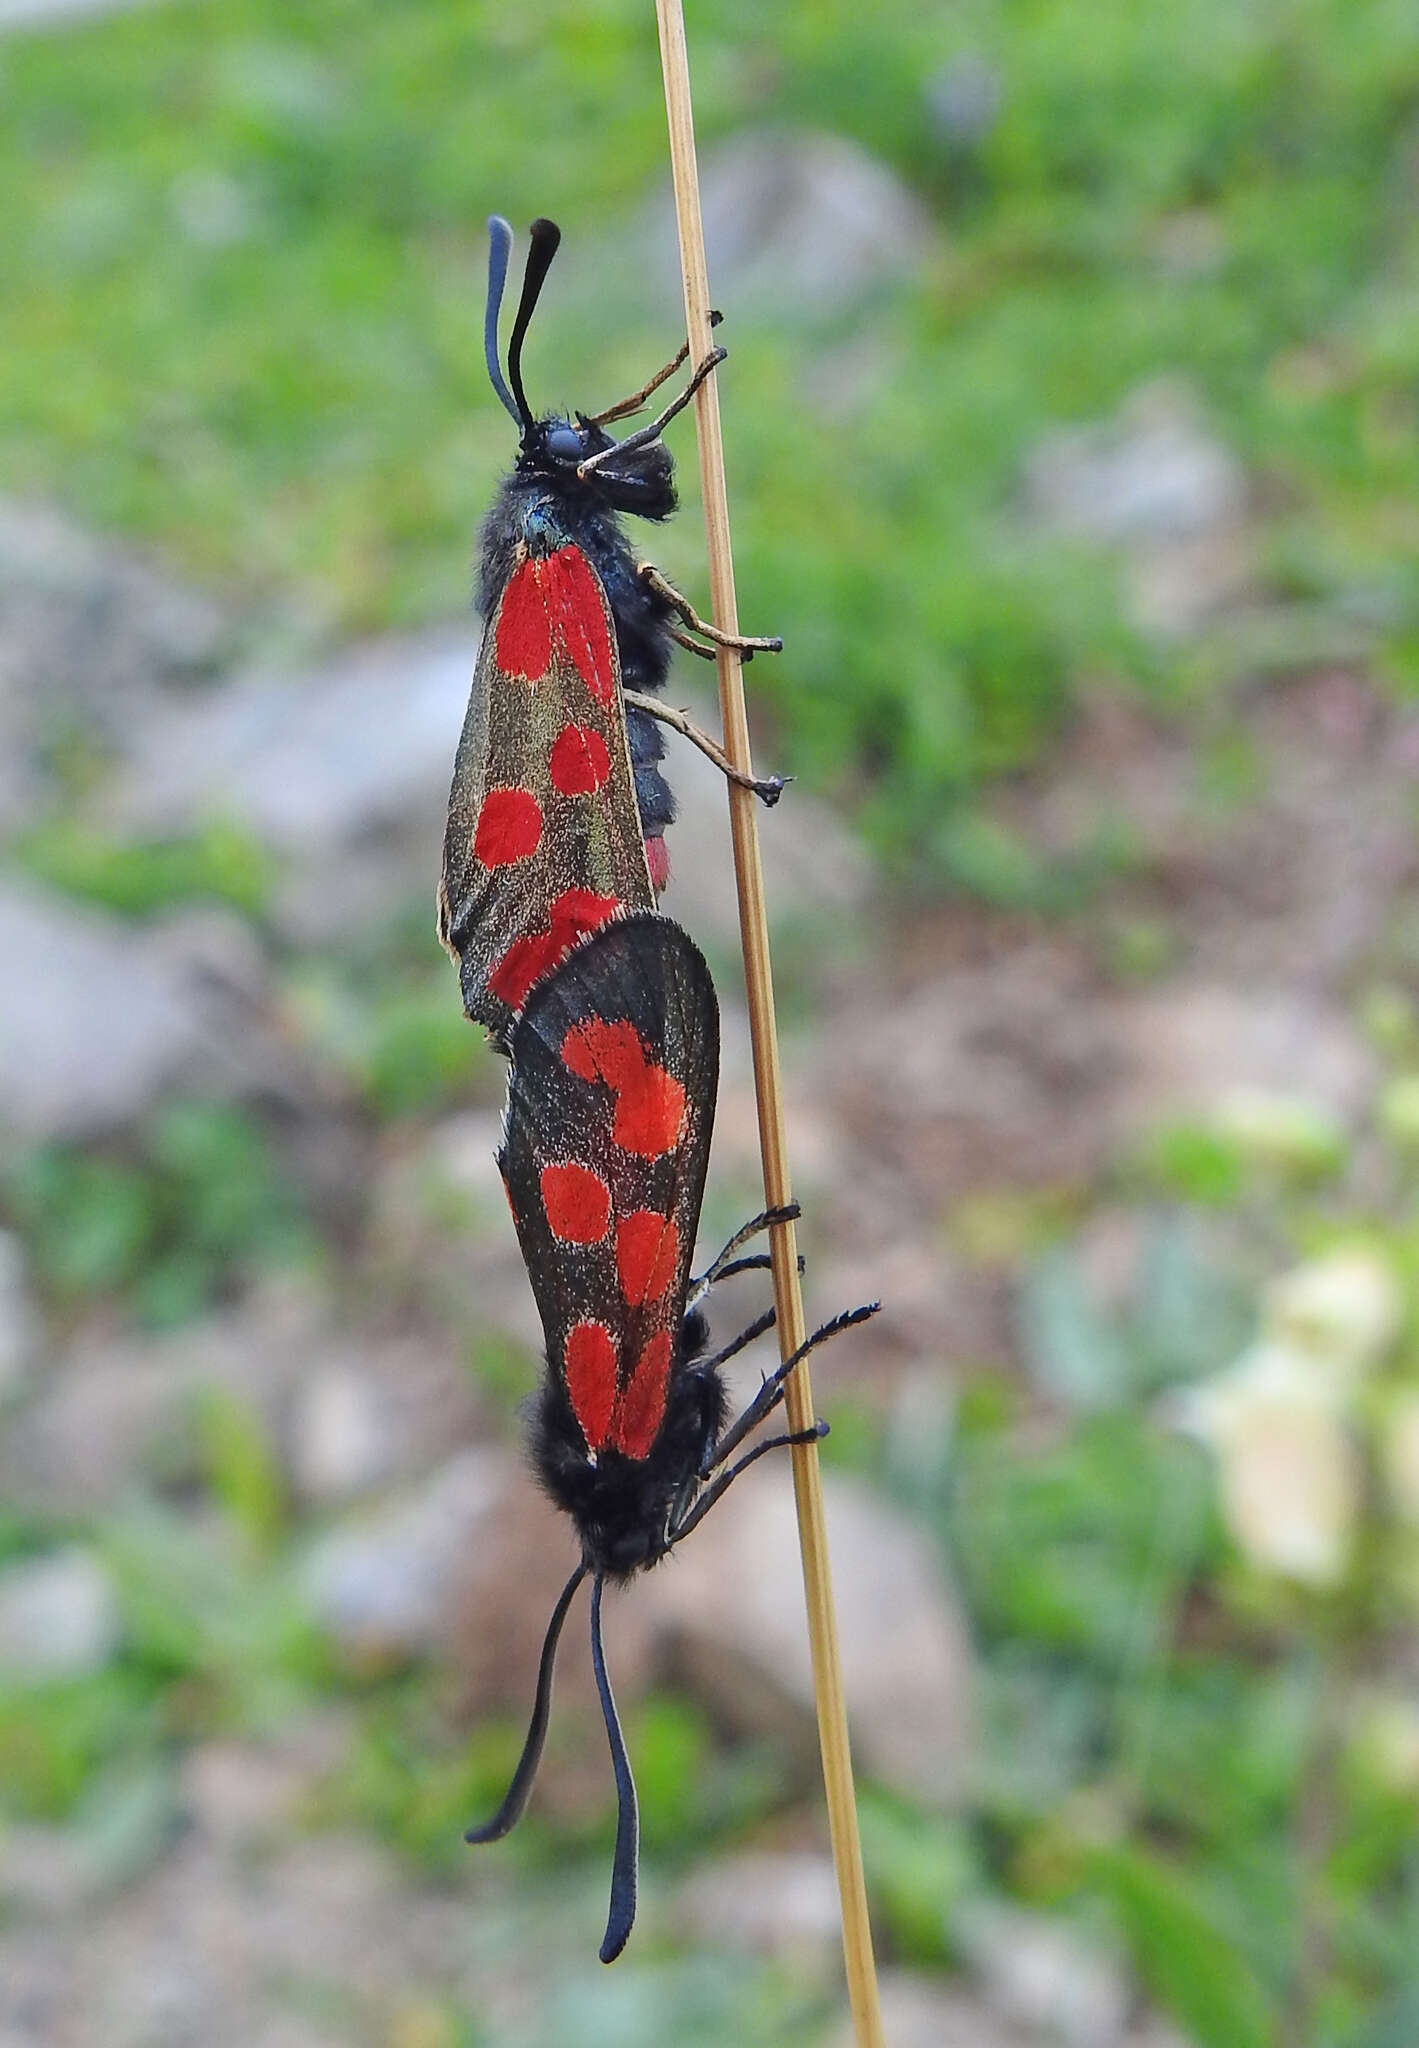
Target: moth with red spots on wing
611, 1096
558, 809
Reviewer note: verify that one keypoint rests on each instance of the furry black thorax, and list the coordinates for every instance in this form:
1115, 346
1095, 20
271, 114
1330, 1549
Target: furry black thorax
626, 1510
541, 505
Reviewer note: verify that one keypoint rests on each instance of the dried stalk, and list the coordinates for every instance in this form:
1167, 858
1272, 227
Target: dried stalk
753, 924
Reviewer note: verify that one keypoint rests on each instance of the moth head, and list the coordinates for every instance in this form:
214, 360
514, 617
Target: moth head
635, 478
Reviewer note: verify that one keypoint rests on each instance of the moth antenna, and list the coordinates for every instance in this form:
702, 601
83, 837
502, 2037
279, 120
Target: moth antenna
545, 238
510, 1812
499, 254
622, 1915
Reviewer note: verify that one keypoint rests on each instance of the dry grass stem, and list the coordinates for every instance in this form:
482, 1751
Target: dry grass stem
753, 924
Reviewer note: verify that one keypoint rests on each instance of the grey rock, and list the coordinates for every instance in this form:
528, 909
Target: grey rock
798, 225
19, 1318
115, 1410
1193, 1048
771, 1904
1159, 483
1154, 473
385, 1584
239, 1793
95, 1025
732, 1608
921, 2012
815, 868
59, 1618
342, 773
1042, 1974
90, 636
964, 99
39, 13
340, 1438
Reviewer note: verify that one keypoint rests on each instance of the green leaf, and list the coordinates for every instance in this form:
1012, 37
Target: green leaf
1187, 1963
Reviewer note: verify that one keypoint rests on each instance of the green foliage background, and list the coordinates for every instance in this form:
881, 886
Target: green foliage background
241, 276
289, 395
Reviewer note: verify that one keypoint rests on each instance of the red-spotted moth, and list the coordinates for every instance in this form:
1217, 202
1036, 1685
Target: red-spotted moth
614, 1074
558, 809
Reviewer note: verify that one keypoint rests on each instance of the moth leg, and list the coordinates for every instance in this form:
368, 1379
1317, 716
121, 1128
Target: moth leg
737, 1344
769, 788
724, 1262
759, 1263
678, 602
653, 429
771, 1392
692, 646
726, 1479
638, 398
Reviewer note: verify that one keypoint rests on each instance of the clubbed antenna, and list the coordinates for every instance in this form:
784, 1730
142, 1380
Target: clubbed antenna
499, 253
545, 236
510, 1812
621, 1917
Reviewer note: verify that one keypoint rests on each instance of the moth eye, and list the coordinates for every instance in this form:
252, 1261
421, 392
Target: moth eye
564, 444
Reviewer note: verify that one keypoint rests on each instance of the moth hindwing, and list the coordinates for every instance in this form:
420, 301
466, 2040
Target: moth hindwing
610, 1110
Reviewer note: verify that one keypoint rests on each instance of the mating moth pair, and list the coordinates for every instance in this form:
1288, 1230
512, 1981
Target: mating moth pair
554, 856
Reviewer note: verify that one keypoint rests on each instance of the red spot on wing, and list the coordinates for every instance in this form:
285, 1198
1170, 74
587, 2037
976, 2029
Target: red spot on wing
589, 1362
525, 962
572, 915
647, 1248
524, 645
509, 827
657, 859
642, 1403
577, 1202
598, 1051
650, 1103
579, 762
578, 612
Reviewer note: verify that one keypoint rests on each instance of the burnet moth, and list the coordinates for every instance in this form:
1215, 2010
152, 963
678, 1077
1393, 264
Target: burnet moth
615, 1069
558, 809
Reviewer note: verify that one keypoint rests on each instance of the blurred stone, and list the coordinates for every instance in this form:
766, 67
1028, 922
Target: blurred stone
923, 2012
27, 13
341, 773
1157, 481
117, 1409
59, 1618
95, 1025
384, 1585
340, 1437
243, 1792
211, 208
1282, 1132
1194, 1046
19, 1319
1154, 473
44, 1870
732, 1611
964, 99
815, 867
1041, 1974
768, 1904
89, 635
800, 224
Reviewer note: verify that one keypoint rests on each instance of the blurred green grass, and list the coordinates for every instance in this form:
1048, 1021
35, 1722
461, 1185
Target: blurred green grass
243, 248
